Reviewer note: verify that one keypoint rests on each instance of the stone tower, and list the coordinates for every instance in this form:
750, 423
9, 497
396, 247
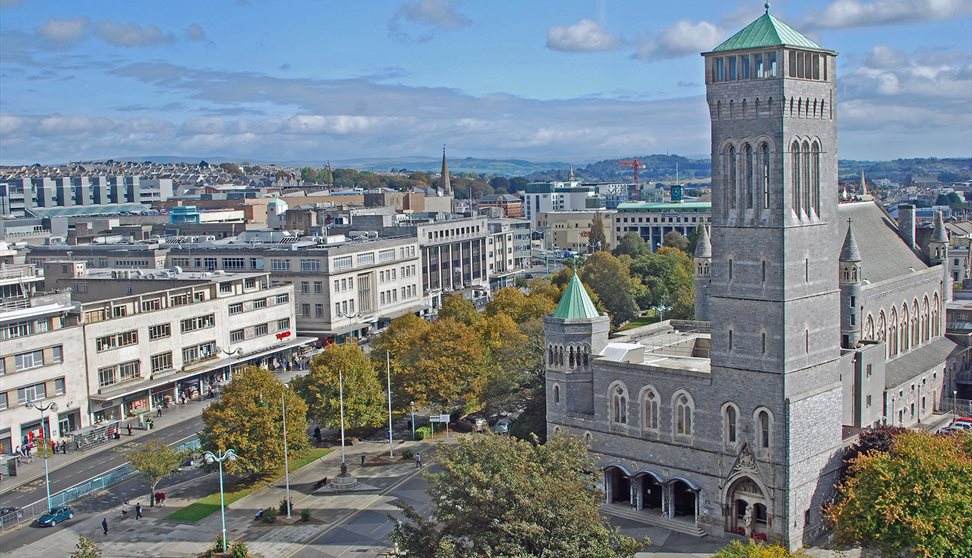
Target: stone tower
703, 262
938, 253
575, 332
773, 293
445, 185
851, 280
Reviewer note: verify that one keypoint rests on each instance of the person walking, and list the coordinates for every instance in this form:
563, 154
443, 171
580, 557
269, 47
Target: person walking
104, 525
129, 429
158, 412
138, 510
418, 460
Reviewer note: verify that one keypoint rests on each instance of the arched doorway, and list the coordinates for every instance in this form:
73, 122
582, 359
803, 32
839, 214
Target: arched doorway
651, 493
683, 499
747, 508
617, 485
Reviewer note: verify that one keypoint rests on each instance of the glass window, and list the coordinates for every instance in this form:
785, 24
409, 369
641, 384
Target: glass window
59, 386
308, 264
732, 68
261, 329
3, 401
745, 67
367, 258
343, 262
162, 362
35, 392
236, 308
720, 69
26, 361
683, 415
279, 265
236, 336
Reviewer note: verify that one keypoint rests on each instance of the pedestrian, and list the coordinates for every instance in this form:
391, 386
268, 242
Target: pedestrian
129, 429
158, 412
317, 434
53, 446
138, 510
104, 525
418, 460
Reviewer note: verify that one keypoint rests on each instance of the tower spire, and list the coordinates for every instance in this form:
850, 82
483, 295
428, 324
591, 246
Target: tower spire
850, 252
863, 184
445, 185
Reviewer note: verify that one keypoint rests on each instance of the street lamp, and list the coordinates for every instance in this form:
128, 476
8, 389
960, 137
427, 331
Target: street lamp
283, 412
52, 406
412, 405
954, 403
219, 457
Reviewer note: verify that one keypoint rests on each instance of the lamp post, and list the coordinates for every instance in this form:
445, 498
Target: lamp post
954, 403
283, 412
391, 442
52, 406
219, 457
412, 406
344, 463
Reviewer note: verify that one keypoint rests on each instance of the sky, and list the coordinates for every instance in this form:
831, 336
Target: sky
565, 80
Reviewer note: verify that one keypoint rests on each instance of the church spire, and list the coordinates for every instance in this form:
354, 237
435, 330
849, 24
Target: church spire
863, 188
445, 186
570, 174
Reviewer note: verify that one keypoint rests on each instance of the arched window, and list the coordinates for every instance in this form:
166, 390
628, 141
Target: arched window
882, 327
869, 328
815, 168
587, 355
683, 414
807, 202
893, 332
924, 319
764, 424
649, 406
935, 317
915, 324
571, 357
795, 169
905, 335
730, 417
556, 394
750, 177
619, 406
731, 190
764, 173
550, 355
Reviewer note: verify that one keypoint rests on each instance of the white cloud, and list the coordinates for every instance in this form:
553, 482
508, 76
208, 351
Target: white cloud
64, 30
855, 13
195, 33
586, 35
130, 34
682, 38
436, 13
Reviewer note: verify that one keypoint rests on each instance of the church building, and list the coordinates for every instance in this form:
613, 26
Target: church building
815, 319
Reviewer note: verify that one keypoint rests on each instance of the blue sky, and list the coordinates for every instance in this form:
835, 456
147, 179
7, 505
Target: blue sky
555, 80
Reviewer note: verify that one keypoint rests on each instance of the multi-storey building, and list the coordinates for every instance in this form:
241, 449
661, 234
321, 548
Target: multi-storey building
19, 196
540, 197
121, 255
570, 230
652, 221
454, 258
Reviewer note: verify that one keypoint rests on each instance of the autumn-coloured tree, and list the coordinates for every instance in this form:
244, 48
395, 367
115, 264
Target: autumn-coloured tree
248, 419
500, 496
915, 498
520, 306
756, 549
459, 308
448, 368
608, 276
364, 392
539, 286
596, 239
155, 460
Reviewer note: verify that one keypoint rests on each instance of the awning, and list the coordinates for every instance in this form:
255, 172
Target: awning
210, 365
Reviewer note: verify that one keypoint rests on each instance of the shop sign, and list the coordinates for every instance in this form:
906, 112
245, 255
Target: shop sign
283, 335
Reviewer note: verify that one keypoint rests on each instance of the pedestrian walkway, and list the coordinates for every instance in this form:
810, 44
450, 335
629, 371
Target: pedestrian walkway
28, 472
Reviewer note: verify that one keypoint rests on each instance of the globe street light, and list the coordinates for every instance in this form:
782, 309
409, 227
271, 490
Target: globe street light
219, 457
412, 405
52, 406
283, 412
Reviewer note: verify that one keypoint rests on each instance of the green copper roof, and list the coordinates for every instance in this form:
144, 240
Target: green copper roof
575, 304
766, 31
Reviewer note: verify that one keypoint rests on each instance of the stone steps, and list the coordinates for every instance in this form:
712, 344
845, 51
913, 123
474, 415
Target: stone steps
653, 518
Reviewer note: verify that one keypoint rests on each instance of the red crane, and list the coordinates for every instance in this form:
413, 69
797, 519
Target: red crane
636, 164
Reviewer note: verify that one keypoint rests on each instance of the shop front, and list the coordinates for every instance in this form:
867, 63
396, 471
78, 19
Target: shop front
137, 404
107, 411
68, 421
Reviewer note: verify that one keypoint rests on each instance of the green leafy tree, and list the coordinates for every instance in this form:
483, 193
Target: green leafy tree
500, 496
915, 498
86, 548
459, 308
364, 395
669, 277
248, 419
155, 460
673, 239
631, 244
500, 184
608, 276
596, 239
755, 549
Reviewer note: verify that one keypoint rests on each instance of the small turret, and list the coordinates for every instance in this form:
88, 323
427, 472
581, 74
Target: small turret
937, 252
703, 262
851, 283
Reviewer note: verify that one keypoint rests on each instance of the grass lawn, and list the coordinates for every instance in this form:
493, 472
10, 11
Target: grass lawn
209, 505
649, 318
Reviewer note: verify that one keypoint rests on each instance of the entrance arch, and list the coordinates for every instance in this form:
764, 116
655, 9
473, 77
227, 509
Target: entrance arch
652, 491
617, 485
747, 507
684, 499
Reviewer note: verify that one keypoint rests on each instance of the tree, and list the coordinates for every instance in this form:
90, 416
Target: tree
248, 419
608, 276
446, 369
597, 240
755, 549
364, 396
915, 498
500, 496
459, 308
631, 244
669, 277
155, 460
673, 239
500, 184
86, 548
520, 306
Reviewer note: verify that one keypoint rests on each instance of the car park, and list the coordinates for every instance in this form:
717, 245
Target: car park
961, 425
964, 419
55, 516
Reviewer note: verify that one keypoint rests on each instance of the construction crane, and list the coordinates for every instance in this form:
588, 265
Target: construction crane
635, 163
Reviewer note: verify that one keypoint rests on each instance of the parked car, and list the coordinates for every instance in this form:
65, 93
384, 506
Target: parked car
964, 419
961, 425
479, 425
502, 426
55, 516
951, 430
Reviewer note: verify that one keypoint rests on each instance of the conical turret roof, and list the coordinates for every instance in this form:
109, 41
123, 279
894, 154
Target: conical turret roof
703, 246
446, 186
575, 304
938, 233
850, 252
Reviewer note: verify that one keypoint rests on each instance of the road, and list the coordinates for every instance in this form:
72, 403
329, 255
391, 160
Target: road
98, 462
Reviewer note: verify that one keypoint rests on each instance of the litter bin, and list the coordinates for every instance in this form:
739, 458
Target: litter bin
11, 466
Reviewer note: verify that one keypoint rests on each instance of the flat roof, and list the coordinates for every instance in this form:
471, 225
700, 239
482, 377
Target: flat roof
88, 210
661, 207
